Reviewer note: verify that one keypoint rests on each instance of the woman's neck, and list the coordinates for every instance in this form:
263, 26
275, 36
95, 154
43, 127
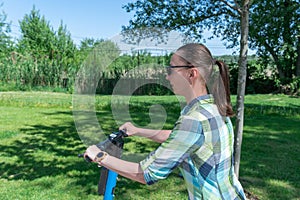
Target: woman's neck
196, 92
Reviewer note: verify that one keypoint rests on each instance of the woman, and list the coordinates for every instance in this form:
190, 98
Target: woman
201, 143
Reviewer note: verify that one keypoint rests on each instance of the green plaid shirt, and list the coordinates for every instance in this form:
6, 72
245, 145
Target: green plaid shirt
201, 145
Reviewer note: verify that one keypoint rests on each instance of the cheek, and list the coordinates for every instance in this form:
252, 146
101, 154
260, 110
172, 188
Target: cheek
179, 83
182, 80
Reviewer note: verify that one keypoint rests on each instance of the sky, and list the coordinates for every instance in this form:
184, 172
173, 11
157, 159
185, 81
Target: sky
98, 19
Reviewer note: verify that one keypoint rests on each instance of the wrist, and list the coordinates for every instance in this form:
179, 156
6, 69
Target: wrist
100, 156
104, 160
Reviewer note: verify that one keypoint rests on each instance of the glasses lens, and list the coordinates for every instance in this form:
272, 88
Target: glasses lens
169, 70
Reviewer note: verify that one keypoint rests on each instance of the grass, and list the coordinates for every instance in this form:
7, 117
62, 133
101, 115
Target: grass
270, 151
39, 146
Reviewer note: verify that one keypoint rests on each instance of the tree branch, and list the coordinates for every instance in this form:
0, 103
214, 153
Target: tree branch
199, 18
234, 7
238, 8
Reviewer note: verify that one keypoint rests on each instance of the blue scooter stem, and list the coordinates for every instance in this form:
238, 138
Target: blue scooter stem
108, 178
110, 185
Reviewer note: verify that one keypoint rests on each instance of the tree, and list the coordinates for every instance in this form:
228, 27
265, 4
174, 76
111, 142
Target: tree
50, 56
6, 48
242, 75
87, 45
275, 34
227, 19
5, 39
37, 45
38, 37
65, 55
298, 57
65, 47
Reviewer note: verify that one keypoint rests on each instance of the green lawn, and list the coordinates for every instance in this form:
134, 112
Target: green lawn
39, 147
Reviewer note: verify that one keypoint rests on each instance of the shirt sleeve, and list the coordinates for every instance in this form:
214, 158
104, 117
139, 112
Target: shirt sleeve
186, 137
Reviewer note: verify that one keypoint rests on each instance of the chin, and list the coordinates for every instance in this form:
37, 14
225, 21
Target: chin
177, 92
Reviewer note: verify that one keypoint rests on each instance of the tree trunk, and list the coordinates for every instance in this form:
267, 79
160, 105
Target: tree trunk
275, 57
298, 58
241, 85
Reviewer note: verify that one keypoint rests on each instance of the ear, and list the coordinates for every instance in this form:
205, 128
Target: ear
193, 73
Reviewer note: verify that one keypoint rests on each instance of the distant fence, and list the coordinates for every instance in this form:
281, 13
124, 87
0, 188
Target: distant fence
138, 86
127, 86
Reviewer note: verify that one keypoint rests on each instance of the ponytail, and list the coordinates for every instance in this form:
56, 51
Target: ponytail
221, 90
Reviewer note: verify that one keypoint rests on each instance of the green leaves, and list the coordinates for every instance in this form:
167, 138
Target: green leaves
273, 32
5, 39
190, 17
37, 35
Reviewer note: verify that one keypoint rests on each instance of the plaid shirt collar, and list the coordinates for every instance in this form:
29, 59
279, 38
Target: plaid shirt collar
208, 98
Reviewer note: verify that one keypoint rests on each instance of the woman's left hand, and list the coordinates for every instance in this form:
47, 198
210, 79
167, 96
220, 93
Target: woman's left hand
92, 152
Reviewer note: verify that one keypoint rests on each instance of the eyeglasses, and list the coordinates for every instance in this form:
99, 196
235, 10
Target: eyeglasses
169, 68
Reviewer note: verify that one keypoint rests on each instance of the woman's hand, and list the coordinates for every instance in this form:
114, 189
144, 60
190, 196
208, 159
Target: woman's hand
92, 152
129, 129
155, 135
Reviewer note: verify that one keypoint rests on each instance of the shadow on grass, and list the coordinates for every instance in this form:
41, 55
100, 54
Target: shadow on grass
270, 151
46, 151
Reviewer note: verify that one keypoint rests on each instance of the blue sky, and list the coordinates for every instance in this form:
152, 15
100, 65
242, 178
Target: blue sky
98, 19
92, 18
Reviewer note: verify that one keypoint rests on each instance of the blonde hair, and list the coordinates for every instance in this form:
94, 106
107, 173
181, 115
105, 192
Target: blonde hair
215, 74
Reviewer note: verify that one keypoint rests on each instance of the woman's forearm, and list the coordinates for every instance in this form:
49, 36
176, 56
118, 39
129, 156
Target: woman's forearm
155, 135
127, 169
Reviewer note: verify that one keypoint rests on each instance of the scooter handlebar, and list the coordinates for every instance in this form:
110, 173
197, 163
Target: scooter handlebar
115, 138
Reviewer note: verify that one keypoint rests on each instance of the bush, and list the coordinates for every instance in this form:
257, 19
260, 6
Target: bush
259, 79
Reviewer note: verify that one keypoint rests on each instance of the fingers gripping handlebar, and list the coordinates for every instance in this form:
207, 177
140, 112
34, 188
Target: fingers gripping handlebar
113, 145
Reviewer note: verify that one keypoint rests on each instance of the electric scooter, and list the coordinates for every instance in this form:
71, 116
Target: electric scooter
113, 145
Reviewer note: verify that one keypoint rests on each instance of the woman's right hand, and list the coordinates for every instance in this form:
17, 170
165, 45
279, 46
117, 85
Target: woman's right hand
129, 128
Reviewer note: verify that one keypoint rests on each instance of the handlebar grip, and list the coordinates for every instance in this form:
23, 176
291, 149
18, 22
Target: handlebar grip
87, 159
123, 132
